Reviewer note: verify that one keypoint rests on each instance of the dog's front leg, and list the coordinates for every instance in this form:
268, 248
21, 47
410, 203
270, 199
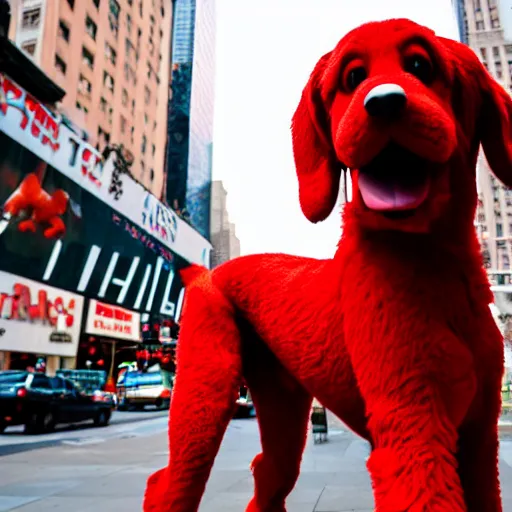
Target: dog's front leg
478, 456
413, 426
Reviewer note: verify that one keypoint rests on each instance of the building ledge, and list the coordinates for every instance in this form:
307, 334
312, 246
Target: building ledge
15, 64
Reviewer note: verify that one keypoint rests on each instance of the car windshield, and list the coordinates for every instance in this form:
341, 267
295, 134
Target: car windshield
12, 377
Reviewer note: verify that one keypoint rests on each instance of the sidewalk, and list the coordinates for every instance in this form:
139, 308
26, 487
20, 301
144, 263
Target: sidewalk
111, 476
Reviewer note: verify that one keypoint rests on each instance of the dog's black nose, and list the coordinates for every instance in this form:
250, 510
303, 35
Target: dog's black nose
385, 100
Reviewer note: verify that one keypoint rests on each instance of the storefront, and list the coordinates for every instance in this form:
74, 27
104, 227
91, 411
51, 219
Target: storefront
38, 323
111, 336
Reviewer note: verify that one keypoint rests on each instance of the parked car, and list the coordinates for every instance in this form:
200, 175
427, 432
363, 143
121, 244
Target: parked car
40, 402
136, 389
92, 383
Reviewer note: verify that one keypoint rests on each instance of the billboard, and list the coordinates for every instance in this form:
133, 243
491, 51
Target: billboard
112, 321
77, 242
33, 126
37, 318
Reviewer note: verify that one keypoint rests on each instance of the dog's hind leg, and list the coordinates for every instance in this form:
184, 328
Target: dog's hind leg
203, 400
283, 410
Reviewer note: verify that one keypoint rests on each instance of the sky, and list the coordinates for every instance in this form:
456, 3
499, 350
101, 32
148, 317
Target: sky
266, 50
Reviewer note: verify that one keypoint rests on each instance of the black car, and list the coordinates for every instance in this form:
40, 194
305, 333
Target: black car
40, 402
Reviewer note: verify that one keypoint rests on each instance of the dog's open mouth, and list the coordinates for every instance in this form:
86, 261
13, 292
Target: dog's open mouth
395, 182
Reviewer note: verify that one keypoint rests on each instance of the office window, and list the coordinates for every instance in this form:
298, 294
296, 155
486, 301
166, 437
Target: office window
142, 170
31, 18
87, 58
151, 175
153, 150
114, 9
110, 53
29, 47
96, 3
63, 31
499, 70
60, 64
128, 23
108, 81
71, 4
102, 134
79, 106
479, 25
124, 98
113, 17
91, 27
143, 145
103, 104
147, 95
84, 86
124, 122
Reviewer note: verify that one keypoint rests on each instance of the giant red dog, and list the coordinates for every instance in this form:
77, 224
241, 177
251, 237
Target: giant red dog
394, 334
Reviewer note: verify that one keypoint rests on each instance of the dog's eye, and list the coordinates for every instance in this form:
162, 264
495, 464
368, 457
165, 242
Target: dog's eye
355, 77
420, 67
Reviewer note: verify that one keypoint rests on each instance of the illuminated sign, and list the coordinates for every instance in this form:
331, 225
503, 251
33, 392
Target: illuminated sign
112, 321
32, 126
37, 318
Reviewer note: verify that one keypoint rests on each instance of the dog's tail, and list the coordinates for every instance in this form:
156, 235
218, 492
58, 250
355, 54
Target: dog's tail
193, 273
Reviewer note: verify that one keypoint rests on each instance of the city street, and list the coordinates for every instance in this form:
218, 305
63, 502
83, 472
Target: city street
105, 469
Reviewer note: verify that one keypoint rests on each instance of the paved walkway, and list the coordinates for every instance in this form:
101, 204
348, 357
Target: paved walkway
98, 474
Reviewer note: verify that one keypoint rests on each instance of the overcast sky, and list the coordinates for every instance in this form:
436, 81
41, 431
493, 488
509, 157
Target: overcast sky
266, 50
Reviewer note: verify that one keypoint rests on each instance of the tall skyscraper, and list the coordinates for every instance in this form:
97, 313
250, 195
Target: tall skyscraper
112, 59
226, 244
190, 125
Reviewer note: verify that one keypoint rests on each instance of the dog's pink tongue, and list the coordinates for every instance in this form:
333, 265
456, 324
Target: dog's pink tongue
392, 195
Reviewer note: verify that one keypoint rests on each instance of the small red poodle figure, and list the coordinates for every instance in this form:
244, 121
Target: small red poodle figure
45, 208
394, 334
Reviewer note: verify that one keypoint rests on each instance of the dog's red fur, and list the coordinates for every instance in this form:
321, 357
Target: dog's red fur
45, 208
394, 334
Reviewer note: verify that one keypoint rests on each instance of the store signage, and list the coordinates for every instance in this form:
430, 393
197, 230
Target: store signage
112, 321
34, 127
37, 318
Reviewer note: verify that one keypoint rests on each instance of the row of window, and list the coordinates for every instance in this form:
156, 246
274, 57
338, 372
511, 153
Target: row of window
493, 15
498, 67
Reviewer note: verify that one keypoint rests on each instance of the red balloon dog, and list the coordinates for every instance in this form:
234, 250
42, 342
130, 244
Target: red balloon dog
394, 334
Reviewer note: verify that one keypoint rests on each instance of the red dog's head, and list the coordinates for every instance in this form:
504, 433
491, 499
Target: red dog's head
405, 111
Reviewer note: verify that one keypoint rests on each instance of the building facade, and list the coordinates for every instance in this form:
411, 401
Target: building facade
190, 124
226, 244
112, 58
100, 255
486, 36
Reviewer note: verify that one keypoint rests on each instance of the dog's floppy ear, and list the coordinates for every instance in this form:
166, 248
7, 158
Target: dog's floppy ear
485, 107
318, 169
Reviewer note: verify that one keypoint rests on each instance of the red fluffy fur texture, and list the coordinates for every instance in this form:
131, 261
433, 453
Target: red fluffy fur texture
394, 334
